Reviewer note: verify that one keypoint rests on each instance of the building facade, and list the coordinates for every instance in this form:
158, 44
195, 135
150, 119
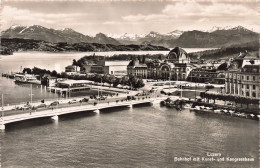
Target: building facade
207, 76
175, 67
117, 68
245, 82
137, 68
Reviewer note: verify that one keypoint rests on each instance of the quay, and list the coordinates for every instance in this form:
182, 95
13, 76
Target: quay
56, 112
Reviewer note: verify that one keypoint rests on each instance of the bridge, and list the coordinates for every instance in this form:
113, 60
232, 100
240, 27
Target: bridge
55, 113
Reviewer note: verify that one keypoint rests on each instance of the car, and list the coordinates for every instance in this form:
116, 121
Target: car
54, 103
138, 94
41, 106
26, 107
72, 101
84, 100
130, 98
102, 98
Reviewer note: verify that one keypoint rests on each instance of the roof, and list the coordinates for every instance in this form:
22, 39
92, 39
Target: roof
251, 68
178, 51
70, 82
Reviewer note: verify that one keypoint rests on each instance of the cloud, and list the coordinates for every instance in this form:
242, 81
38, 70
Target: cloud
11, 15
193, 12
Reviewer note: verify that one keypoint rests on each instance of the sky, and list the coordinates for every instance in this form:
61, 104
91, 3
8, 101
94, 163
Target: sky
139, 17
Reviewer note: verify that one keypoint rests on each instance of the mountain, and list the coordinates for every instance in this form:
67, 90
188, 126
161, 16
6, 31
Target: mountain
37, 32
216, 37
150, 38
220, 37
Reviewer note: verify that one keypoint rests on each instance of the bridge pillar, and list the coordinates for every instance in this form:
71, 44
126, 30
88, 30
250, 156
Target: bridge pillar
97, 111
56, 118
130, 106
2, 127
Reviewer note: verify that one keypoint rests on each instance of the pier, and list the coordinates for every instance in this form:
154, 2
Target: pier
54, 113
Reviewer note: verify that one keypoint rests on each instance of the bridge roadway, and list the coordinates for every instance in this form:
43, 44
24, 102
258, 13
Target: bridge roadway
54, 113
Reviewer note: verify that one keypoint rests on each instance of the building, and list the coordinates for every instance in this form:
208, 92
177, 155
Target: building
117, 68
72, 68
137, 68
49, 80
207, 76
244, 82
243, 76
176, 66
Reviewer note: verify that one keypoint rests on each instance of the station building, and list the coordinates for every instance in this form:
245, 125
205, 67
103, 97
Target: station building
176, 66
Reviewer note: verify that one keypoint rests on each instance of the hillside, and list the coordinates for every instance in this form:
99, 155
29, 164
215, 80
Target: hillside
228, 52
37, 45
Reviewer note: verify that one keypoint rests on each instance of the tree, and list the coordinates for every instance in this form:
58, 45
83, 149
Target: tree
64, 75
74, 62
27, 70
54, 73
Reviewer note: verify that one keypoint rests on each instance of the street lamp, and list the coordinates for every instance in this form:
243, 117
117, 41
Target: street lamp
2, 109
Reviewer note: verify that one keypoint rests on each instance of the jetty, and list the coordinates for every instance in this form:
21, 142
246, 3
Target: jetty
54, 113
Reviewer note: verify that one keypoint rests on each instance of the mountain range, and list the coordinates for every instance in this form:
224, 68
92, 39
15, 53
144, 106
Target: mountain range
215, 37
37, 32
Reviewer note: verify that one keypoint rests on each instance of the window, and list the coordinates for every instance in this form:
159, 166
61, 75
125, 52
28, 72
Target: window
242, 86
253, 87
242, 77
247, 86
253, 78
247, 77
247, 93
254, 94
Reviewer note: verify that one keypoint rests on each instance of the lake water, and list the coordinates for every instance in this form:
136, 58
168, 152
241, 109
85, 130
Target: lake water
138, 137
146, 136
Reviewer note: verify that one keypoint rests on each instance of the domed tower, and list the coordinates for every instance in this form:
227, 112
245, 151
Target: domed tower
178, 55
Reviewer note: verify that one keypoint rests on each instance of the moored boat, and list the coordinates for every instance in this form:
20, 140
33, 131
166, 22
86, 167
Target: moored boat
26, 78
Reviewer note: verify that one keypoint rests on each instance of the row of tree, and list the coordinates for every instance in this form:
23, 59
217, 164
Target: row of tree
130, 80
236, 99
114, 81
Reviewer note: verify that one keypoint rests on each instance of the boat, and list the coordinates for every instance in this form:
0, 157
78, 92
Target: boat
172, 103
26, 78
187, 106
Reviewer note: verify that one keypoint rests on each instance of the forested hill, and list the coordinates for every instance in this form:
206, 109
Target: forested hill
37, 45
228, 52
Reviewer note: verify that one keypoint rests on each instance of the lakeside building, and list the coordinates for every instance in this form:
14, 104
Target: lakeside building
176, 66
244, 82
207, 76
208, 73
243, 76
72, 69
73, 83
49, 80
117, 68
137, 68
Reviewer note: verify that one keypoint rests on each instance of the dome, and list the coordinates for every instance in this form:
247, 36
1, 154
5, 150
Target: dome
178, 55
177, 51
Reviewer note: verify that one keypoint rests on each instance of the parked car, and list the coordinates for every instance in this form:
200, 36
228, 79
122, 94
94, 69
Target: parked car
41, 106
54, 103
130, 98
84, 100
72, 101
138, 94
102, 98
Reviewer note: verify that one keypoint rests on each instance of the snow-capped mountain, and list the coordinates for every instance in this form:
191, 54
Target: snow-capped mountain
142, 37
69, 35
126, 36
